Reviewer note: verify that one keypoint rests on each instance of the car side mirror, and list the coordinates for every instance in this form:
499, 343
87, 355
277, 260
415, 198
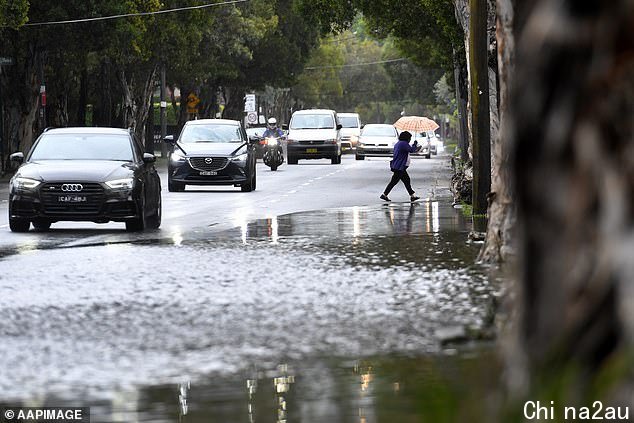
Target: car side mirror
284, 127
339, 126
17, 157
148, 158
363, 126
169, 139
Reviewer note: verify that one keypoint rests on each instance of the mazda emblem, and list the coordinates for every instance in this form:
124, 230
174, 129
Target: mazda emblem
209, 160
72, 187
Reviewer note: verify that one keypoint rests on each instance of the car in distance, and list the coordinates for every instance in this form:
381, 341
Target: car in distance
212, 152
424, 140
350, 130
376, 139
314, 134
85, 174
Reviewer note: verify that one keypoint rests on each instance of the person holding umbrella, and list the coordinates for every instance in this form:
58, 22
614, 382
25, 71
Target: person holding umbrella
399, 165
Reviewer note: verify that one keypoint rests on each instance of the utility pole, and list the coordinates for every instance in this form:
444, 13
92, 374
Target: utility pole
163, 110
480, 123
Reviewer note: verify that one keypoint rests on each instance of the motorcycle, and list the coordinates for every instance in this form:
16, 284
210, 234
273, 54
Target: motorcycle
273, 154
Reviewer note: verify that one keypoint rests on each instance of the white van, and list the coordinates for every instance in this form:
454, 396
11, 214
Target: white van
350, 131
314, 134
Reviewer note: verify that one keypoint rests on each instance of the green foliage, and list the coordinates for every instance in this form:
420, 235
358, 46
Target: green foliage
13, 13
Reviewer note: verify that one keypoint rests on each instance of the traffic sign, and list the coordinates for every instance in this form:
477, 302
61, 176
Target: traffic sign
249, 103
6, 61
192, 103
252, 117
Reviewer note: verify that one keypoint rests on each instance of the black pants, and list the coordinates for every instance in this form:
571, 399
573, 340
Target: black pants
400, 175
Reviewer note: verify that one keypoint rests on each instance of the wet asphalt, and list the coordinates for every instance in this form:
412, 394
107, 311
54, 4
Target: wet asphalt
310, 268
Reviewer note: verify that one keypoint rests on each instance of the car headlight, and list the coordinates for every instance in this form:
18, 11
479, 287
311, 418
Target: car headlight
332, 141
240, 158
25, 184
121, 184
177, 156
354, 138
290, 141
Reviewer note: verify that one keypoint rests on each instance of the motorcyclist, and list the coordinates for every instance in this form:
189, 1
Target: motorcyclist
272, 130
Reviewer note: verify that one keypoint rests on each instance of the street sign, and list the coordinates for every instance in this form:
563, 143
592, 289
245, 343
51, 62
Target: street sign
252, 117
6, 61
192, 103
249, 103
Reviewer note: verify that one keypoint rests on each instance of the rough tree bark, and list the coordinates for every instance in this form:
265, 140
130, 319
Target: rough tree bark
573, 103
498, 245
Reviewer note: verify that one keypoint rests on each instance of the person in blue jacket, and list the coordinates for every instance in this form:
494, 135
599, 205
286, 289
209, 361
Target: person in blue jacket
399, 165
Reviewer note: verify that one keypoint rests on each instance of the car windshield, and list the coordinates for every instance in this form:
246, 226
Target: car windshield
83, 147
379, 131
253, 132
317, 121
349, 121
210, 133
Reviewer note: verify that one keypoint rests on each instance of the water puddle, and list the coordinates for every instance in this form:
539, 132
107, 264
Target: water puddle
333, 315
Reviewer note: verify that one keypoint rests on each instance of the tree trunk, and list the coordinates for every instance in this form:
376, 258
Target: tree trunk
136, 99
573, 103
480, 122
80, 118
498, 245
21, 99
462, 98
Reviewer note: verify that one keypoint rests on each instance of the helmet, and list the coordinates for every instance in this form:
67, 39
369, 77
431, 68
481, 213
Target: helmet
272, 122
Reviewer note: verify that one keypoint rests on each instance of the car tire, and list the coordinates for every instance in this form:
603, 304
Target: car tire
42, 225
154, 221
140, 223
175, 186
292, 160
359, 157
19, 225
428, 156
249, 186
336, 160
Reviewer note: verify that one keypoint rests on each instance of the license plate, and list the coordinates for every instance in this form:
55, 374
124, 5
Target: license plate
208, 173
72, 199
311, 150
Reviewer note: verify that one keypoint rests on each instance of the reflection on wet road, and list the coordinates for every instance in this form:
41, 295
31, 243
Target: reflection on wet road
266, 307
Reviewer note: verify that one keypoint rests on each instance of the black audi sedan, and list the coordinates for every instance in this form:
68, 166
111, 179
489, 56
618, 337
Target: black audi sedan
85, 174
212, 152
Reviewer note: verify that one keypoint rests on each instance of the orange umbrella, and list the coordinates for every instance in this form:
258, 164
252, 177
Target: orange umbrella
416, 124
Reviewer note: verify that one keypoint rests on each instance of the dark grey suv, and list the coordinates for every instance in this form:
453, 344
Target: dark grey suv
212, 152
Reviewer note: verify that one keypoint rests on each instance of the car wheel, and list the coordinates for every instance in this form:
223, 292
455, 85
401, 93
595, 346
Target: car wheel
336, 160
19, 225
359, 157
42, 225
139, 223
249, 186
428, 156
154, 221
175, 186
292, 160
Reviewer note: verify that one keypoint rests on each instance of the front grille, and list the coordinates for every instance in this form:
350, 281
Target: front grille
208, 164
311, 142
50, 193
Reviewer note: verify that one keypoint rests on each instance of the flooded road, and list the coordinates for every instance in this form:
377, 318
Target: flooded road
318, 299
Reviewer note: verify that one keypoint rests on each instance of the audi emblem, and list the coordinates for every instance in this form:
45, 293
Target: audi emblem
209, 160
72, 187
